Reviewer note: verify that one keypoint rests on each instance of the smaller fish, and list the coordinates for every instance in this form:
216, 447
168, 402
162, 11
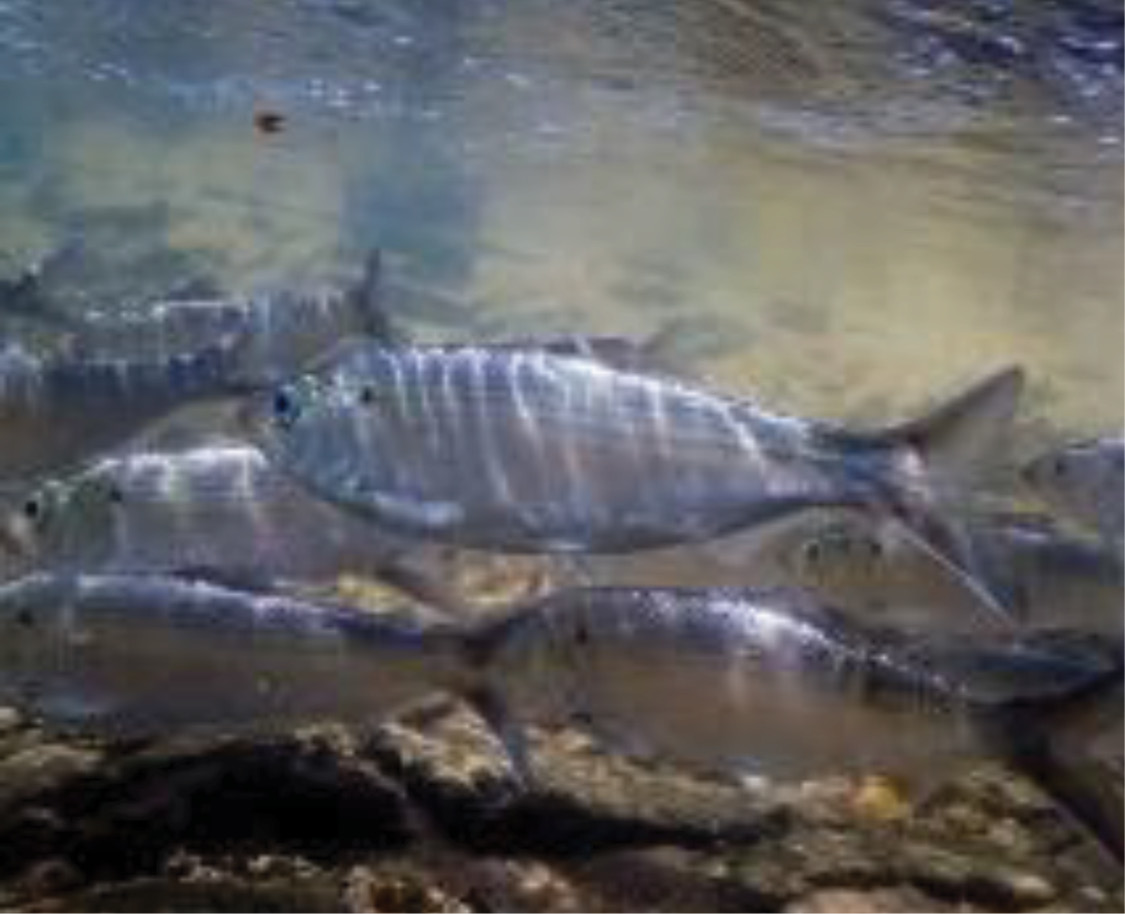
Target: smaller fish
776, 683
58, 412
869, 568
1084, 481
768, 682
759, 558
285, 331
216, 509
148, 655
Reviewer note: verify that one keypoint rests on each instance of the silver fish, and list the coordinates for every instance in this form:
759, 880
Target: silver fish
1085, 481
768, 682
284, 330
773, 683
56, 413
725, 680
1060, 579
219, 508
529, 450
150, 655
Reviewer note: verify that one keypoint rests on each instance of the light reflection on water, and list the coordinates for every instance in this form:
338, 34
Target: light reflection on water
849, 210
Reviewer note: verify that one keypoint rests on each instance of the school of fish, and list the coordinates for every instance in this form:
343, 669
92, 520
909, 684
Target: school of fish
759, 592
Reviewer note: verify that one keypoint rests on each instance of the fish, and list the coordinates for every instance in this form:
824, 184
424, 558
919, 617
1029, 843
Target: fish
284, 330
527, 450
217, 509
778, 684
137, 656
57, 412
1084, 481
759, 557
724, 681
1060, 578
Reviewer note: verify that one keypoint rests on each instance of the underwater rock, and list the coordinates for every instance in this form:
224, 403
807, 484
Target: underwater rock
456, 771
408, 892
856, 901
122, 811
425, 815
9, 720
220, 893
37, 769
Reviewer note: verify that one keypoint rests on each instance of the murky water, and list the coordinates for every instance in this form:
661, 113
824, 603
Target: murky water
847, 208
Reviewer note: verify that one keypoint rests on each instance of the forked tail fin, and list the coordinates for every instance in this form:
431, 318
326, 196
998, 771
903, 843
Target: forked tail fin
933, 457
1053, 742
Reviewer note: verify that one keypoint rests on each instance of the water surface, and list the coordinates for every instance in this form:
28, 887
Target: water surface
846, 208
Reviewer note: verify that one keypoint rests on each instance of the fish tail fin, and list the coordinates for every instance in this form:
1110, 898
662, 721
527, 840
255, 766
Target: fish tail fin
964, 433
932, 457
1052, 744
934, 524
1089, 790
483, 688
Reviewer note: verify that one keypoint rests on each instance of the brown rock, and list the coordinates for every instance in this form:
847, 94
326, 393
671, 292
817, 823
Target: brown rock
872, 901
367, 890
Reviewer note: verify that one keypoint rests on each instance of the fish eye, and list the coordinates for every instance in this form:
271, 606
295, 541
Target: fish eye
581, 634
285, 407
1059, 467
812, 552
33, 508
367, 395
25, 618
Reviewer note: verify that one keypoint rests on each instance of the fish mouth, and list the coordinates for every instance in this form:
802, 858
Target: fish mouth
252, 417
13, 532
12, 543
1029, 473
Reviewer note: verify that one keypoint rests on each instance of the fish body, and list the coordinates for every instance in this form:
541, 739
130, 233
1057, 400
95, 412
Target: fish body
530, 450
765, 682
1060, 579
56, 412
732, 681
217, 507
143, 655
1085, 481
284, 330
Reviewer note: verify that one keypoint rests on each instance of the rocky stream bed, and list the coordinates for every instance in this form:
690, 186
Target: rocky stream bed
423, 815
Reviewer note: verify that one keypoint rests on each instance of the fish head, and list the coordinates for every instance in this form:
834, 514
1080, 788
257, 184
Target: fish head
838, 554
295, 423
31, 523
1046, 474
38, 642
1076, 477
279, 413
339, 432
873, 567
